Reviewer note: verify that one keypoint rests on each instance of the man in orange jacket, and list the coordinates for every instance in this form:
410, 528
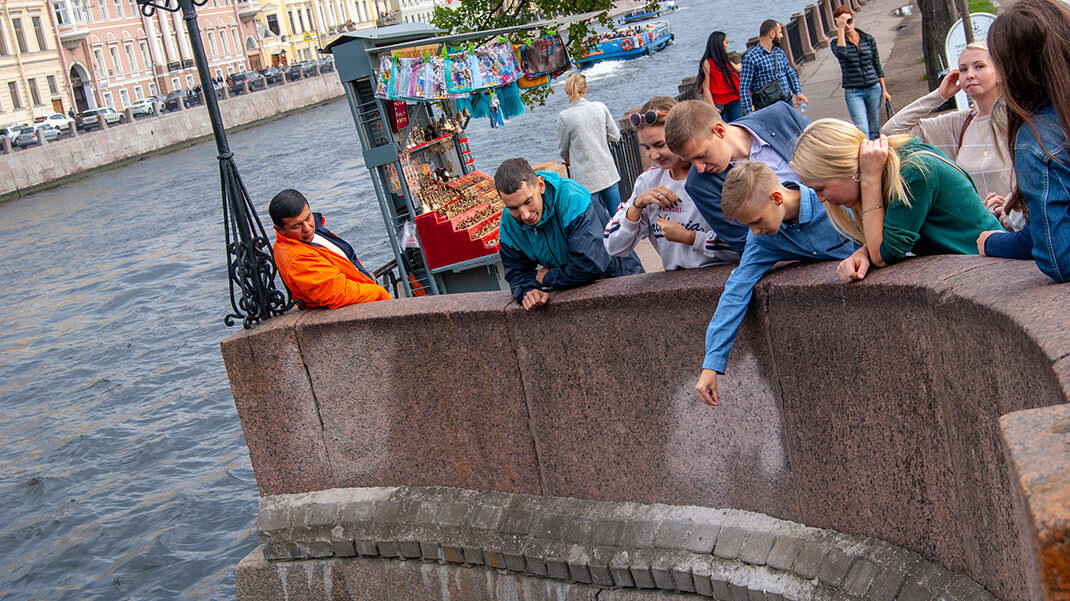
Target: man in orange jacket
317, 266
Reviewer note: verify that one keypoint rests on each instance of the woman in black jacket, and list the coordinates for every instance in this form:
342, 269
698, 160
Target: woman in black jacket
863, 78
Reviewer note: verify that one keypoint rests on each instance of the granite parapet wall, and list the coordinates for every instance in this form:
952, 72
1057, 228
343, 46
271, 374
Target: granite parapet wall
33, 167
870, 409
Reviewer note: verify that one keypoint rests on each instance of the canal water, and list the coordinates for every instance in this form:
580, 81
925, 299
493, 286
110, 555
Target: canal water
123, 472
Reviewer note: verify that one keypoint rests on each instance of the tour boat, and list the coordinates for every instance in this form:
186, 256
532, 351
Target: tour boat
642, 13
628, 43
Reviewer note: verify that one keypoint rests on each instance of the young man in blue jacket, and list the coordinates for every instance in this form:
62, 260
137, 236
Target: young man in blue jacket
551, 234
695, 132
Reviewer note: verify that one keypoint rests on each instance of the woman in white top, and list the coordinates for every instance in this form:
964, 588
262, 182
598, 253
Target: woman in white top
659, 208
975, 138
584, 131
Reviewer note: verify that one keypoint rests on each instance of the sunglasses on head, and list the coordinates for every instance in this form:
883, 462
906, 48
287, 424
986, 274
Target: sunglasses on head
649, 117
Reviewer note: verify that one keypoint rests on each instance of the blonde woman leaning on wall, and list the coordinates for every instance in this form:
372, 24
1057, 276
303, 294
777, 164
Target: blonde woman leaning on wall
976, 137
895, 195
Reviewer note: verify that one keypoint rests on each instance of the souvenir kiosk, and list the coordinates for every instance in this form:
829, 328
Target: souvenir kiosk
441, 214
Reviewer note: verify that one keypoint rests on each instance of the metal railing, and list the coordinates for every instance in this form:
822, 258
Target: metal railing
629, 161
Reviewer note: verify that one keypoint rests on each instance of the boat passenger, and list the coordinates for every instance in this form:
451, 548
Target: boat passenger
695, 132
584, 131
319, 268
551, 234
660, 209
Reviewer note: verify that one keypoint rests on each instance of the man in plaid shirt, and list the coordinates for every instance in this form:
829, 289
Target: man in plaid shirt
764, 62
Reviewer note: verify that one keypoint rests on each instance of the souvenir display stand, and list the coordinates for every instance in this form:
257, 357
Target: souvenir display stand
441, 214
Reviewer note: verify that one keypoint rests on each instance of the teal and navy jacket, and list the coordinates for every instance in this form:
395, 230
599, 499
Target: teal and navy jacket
567, 241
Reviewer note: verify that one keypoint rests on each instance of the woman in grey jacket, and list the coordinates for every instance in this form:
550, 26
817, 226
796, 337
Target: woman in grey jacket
584, 131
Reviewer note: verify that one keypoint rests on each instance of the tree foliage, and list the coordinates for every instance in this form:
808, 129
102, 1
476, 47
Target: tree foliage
466, 16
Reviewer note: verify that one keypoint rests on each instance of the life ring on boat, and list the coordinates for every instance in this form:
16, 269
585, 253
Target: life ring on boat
627, 44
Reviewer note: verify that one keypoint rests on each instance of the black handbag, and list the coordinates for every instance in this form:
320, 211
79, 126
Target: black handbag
770, 93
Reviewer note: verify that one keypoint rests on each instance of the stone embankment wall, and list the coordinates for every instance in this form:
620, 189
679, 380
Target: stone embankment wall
373, 544
24, 170
871, 409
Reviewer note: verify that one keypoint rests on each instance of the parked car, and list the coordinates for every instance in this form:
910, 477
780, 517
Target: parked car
308, 69
150, 106
57, 120
237, 82
91, 118
272, 75
326, 64
293, 72
31, 136
12, 131
175, 100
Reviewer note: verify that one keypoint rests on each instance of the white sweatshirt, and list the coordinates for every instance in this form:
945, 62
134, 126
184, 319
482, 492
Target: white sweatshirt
622, 236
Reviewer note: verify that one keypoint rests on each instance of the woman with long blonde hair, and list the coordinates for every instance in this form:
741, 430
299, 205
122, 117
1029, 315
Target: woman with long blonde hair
974, 137
896, 195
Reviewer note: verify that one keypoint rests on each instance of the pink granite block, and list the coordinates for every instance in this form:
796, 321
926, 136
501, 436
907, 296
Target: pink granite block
1037, 444
609, 371
277, 408
866, 432
421, 392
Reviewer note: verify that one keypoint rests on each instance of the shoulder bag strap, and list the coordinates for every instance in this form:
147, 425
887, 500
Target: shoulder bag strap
962, 132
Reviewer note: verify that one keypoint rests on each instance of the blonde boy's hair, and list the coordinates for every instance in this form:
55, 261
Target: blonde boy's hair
689, 120
748, 182
828, 149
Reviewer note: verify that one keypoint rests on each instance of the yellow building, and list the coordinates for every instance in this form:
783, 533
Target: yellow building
32, 81
292, 31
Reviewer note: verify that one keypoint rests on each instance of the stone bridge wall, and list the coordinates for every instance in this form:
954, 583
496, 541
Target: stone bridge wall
871, 409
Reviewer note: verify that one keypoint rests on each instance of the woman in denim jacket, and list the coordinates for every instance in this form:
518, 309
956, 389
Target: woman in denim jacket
1029, 43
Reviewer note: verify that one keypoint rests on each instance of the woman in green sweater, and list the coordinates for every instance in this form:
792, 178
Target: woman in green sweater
896, 196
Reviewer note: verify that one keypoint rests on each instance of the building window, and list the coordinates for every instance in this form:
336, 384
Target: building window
301, 20
138, 93
60, 8
3, 43
223, 41
189, 80
38, 33
35, 95
174, 84
230, 70
118, 8
293, 25
114, 51
146, 58
102, 69
273, 24
13, 87
52, 89
236, 39
134, 10
131, 61
124, 99
311, 23
103, 10
211, 43
219, 73
81, 11
153, 90
250, 44
20, 39
108, 100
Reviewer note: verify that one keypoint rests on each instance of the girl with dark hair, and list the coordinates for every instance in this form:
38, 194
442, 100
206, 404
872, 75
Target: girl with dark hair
1030, 47
719, 79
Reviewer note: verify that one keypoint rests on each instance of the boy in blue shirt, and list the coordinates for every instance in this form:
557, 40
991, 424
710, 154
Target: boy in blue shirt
786, 223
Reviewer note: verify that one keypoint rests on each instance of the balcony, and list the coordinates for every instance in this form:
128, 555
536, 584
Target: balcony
248, 9
71, 35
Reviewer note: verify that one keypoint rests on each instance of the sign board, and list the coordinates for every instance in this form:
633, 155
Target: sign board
307, 38
955, 43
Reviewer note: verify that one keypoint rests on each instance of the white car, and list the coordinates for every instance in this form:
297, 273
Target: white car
146, 106
57, 120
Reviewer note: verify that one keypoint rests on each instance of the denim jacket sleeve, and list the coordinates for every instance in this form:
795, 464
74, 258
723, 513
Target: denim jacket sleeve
1045, 183
732, 306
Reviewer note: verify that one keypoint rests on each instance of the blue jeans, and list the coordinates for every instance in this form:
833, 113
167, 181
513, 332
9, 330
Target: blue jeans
732, 111
610, 198
864, 104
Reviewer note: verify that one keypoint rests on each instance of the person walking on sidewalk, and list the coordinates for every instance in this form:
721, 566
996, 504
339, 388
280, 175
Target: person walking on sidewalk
719, 79
863, 78
765, 67
584, 131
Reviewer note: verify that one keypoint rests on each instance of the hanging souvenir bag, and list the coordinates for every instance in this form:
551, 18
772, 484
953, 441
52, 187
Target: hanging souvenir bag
382, 82
545, 55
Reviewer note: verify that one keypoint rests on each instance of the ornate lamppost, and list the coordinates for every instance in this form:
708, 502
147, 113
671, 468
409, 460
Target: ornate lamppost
250, 264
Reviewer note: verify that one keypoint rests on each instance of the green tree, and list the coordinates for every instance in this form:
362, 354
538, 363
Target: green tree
582, 16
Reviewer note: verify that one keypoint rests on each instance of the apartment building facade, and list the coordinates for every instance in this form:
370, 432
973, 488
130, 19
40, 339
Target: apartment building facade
114, 55
32, 81
294, 30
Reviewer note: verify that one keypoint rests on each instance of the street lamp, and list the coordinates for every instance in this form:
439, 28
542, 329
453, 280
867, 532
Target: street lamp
249, 262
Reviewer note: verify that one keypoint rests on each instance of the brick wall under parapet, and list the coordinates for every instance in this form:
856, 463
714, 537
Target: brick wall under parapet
870, 409
27, 169
372, 544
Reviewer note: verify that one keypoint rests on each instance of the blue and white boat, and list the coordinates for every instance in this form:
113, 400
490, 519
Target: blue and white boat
642, 13
628, 43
